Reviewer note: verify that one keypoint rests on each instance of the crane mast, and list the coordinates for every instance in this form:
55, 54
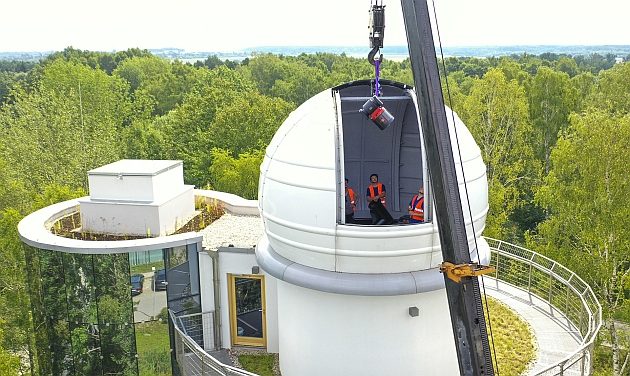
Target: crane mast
464, 297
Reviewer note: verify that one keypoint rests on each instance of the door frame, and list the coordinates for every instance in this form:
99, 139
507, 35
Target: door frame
235, 339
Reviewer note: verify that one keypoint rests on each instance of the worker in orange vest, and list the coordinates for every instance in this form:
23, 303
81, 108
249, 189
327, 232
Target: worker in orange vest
376, 192
351, 204
416, 207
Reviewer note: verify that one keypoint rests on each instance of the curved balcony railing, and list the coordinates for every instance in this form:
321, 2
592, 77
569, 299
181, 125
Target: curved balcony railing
557, 291
192, 359
553, 288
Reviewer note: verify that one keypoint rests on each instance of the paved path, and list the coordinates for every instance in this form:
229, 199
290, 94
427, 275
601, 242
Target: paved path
149, 303
555, 337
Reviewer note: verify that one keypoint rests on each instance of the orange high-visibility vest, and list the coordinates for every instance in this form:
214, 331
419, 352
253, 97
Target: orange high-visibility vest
417, 205
352, 196
374, 193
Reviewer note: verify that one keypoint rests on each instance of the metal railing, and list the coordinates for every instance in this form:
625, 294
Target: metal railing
557, 291
191, 338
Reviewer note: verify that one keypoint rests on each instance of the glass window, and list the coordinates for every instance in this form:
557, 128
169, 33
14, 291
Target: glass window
118, 349
183, 284
107, 314
80, 288
150, 314
247, 302
112, 284
86, 349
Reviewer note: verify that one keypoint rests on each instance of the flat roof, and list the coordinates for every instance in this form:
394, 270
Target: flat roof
240, 231
135, 167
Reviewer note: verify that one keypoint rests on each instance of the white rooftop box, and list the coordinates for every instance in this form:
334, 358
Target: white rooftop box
137, 197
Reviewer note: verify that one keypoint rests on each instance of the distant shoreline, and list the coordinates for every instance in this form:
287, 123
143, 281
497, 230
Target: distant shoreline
392, 52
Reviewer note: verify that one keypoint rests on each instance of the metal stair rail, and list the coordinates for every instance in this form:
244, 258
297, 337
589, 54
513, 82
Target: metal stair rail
193, 360
557, 291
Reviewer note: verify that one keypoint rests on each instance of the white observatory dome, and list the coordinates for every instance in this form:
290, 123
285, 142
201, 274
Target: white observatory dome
301, 191
358, 283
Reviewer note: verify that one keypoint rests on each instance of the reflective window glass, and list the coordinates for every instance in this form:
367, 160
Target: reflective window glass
118, 349
86, 349
248, 300
148, 288
80, 288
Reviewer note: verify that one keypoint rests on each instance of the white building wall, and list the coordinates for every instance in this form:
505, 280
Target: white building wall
176, 211
206, 282
168, 183
333, 334
130, 218
206, 287
119, 218
271, 295
138, 188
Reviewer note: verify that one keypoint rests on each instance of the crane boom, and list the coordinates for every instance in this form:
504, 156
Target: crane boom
464, 297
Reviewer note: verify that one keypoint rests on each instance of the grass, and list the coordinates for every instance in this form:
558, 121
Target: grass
258, 364
145, 268
513, 339
153, 349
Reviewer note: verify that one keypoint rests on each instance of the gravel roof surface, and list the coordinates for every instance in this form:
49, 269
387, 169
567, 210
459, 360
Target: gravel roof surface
242, 231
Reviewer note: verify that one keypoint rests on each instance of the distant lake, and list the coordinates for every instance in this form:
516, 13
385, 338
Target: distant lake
399, 53
241, 57
396, 53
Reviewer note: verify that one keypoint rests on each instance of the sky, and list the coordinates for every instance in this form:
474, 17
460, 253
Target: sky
231, 25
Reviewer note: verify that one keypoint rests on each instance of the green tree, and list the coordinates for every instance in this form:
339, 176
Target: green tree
186, 129
288, 78
248, 122
68, 124
14, 302
144, 141
496, 113
584, 84
567, 65
214, 61
513, 71
13, 192
96, 60
9, 364
7, 81
348, 69
163, 83
551, 99
236, 175
613, 90
587, 195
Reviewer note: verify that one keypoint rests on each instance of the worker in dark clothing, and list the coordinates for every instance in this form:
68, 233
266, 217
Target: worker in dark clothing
416, 207
375, 192
351, 203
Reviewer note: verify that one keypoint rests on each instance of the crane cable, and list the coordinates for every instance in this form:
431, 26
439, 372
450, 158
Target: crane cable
461, 163
376, 26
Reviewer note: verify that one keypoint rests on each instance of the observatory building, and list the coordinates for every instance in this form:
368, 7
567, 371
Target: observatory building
113, 273
374, 294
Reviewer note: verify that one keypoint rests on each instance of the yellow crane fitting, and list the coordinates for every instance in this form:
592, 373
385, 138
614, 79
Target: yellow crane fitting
457, 272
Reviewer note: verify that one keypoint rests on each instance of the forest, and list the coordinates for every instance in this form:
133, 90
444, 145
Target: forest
553, 131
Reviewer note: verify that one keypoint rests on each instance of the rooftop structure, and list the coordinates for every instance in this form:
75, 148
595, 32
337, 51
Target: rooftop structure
91, 298
137, 197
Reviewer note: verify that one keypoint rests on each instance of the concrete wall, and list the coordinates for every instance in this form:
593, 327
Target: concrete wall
334, 334
140, 186
129, 218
